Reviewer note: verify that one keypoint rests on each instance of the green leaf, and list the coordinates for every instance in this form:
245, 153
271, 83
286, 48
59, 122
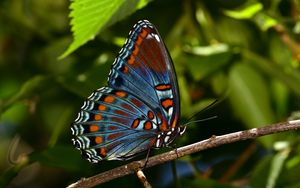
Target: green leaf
16, 113
31, 87
276, 168
185, 99
293, 162
245, 13
204, 182
208, 60
264, 21
88, 17
249, 96
290, 78
263, 167
291, 170
296, 29
208, 50
60, 156
281, 98
86, 81
63, 116
7, 176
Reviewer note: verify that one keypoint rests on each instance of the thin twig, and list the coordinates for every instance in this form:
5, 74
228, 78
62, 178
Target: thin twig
212, 142
140, 174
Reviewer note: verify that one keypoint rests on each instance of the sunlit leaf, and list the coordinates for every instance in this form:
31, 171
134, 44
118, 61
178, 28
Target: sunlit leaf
264, 21
207, 61
297, 28
246, 12
208, 50
276, 168
88, 17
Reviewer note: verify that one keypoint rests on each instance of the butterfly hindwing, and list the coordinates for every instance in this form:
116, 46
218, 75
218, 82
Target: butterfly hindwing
113, 124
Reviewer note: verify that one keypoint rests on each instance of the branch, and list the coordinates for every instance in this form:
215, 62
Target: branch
212, 142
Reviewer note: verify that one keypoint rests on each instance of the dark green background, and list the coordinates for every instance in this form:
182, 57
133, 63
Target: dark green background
252, 70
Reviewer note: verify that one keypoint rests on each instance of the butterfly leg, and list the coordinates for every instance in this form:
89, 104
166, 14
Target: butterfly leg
173, 146
176, 152
147, 158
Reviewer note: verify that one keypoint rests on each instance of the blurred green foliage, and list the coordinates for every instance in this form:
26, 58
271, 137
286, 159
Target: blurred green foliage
244, 53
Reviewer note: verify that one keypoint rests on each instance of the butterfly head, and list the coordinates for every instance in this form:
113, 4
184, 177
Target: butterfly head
165, 138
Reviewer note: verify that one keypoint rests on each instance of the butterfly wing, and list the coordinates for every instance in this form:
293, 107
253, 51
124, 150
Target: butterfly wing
145, 69
113, 125
141, 100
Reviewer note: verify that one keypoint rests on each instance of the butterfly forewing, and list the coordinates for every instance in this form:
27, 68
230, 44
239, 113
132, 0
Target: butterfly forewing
145, 69
139, 108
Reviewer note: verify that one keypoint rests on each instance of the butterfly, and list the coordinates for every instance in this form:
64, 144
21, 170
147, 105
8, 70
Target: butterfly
139, 109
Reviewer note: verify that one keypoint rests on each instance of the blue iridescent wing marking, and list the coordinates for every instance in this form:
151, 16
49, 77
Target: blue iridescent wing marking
139, 108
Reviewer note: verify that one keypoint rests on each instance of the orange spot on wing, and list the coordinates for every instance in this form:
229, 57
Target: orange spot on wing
139, 40
136, 102
150, 115
163, 126
102, 107
148, 125
136, 50
144, 33
109, 99
98, 139
114, 136
125, 69
174, 123
152, 142
94, 128
167, 103
120, 112
163, 87
112, 127
97, 117
131, 60
120, 93
119, 120
127, 106
135, 123
102, 152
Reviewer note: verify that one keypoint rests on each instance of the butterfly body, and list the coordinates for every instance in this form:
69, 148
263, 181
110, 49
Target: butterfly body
139, 109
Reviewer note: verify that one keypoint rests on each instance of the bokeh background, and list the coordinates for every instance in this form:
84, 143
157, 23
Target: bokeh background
243, 53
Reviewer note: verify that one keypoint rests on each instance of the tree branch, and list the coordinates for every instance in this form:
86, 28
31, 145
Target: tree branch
212, 142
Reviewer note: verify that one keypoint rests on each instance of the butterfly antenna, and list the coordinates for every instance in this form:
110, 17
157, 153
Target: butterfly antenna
215, 102
202, 110
201, 120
